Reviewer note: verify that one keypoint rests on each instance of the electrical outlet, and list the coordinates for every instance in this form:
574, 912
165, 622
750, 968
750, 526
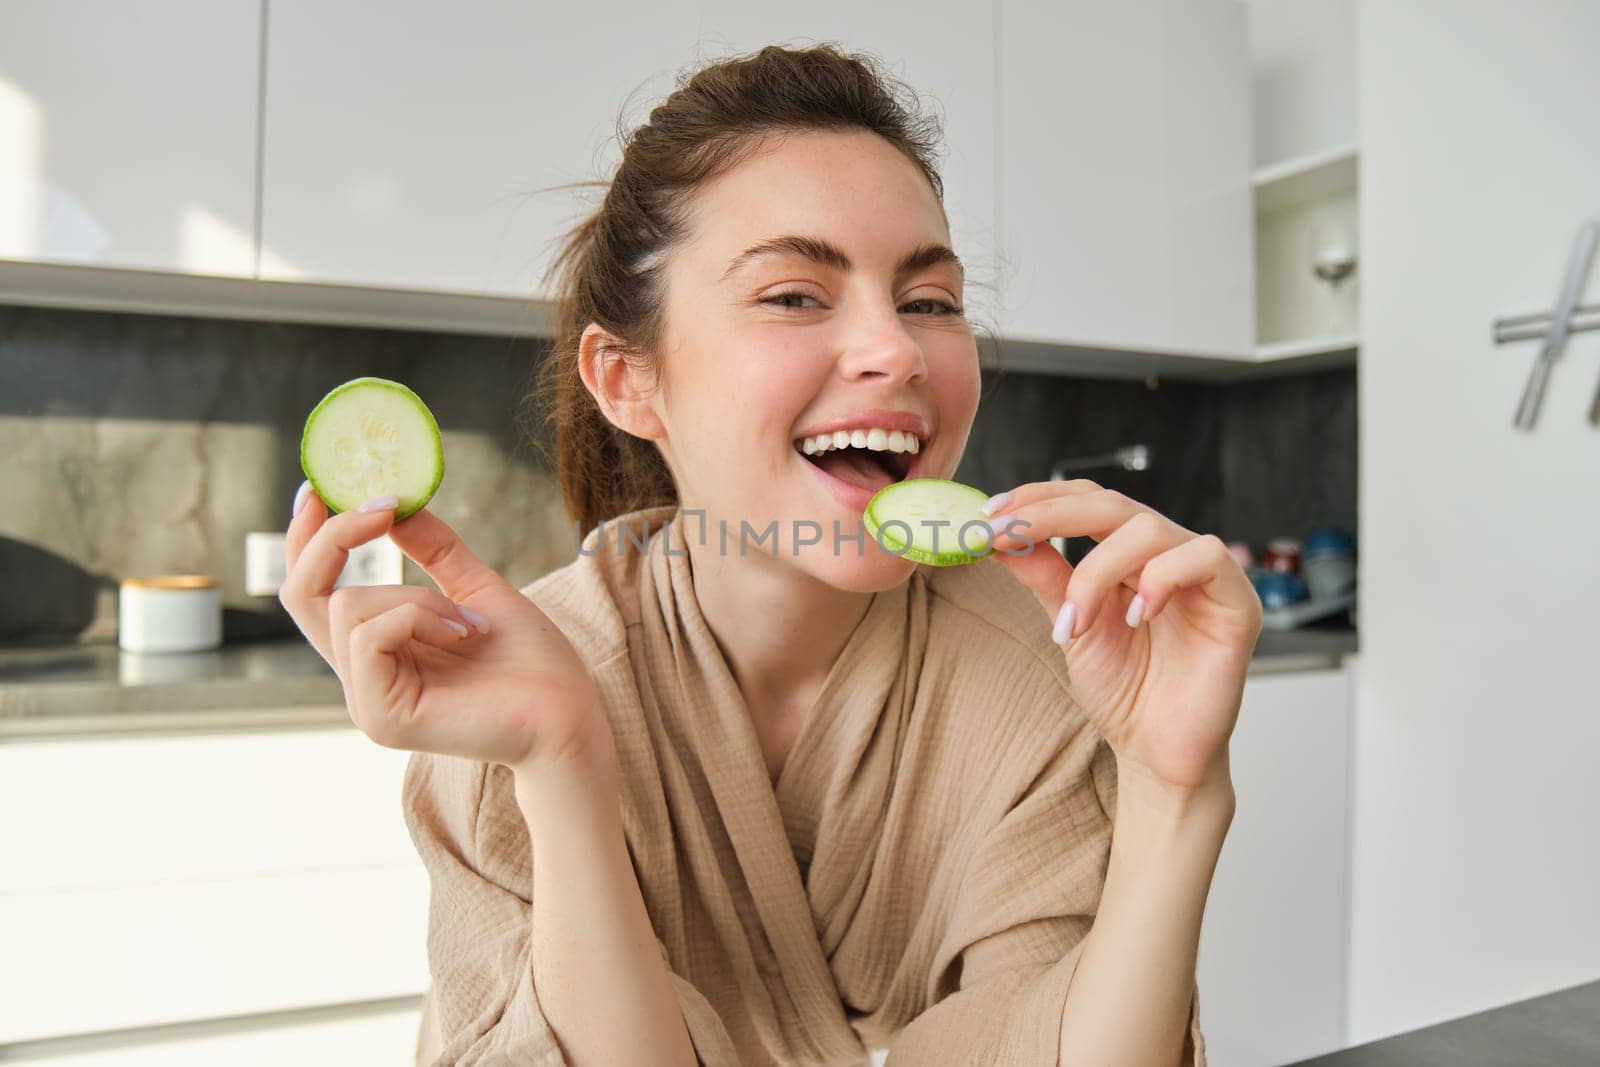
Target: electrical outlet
377, 562
374, 563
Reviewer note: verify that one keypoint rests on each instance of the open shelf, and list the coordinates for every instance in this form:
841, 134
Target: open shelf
1304, 179
1303, 347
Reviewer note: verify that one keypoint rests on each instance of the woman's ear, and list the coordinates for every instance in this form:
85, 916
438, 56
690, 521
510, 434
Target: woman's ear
624, 391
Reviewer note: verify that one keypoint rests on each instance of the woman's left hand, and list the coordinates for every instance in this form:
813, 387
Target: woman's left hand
1164, 691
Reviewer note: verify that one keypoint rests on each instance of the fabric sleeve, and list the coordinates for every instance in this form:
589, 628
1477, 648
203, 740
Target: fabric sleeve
482, 1006
1018, 924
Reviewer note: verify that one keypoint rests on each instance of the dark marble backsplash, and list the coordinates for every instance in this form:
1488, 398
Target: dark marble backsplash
1247, 461
144, 444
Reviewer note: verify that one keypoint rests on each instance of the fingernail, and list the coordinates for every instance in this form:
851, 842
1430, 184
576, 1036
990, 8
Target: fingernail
1061, 633
1136, 609
381, 503
1001, 525
995, 503
474, 618
461, 631
300, 496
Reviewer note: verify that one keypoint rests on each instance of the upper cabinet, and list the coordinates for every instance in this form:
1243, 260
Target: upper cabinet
400, 163
1303, 73
434, 161
128, 133
1125, 202
414, 145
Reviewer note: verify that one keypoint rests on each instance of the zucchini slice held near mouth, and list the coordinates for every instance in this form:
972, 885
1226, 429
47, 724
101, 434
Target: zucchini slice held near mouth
930, 520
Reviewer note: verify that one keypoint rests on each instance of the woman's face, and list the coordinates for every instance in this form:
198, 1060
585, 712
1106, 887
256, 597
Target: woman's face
851, 323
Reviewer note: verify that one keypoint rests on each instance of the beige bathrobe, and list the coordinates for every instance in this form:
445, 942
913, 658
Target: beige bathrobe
920, 879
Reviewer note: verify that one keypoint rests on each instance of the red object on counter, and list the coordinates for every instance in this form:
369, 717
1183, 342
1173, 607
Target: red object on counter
1282, 555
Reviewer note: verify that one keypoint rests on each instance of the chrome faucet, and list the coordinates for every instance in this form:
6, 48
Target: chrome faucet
1128, 458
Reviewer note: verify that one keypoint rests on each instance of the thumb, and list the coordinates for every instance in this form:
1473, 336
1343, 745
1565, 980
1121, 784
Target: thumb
1042, 569
442, 555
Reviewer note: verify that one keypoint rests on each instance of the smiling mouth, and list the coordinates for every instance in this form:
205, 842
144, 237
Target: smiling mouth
868, 458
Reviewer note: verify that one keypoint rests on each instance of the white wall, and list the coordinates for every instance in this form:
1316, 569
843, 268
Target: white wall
1476, 821
1302, 73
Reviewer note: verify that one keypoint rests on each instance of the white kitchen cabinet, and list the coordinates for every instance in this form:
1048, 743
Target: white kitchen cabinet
414, 167
416, 164
128, 133
163, 879
1303, 75
1125, 197
1272, 948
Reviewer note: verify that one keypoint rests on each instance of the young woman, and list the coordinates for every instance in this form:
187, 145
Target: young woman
707, 795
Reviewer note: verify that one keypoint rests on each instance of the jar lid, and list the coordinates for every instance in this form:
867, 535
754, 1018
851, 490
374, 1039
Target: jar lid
173, 581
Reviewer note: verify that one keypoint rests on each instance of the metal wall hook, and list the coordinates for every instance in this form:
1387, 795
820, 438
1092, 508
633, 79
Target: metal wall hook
1567, 319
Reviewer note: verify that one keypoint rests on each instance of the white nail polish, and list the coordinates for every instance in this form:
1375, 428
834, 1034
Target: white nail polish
1136, 609
1061, 633
460, 631
300, 496
996, 527
995, 503
381, 503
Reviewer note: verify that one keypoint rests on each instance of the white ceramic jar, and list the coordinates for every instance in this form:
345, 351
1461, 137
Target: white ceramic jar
169, 613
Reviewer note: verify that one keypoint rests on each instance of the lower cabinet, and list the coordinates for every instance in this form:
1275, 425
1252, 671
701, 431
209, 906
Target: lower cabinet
159, 881
170, 880
1272, 949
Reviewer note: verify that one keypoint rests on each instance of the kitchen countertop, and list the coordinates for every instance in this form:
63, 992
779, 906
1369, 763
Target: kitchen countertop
97, 688
1555, 1030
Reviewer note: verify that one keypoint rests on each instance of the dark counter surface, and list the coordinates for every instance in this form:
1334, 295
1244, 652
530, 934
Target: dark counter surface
98, 688
1557, 1030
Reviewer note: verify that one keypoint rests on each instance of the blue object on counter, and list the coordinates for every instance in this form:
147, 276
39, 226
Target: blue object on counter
1278, 589
1329, 540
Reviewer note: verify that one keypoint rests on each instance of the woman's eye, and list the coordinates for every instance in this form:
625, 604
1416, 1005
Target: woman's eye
943, 308
948, 309
787, 296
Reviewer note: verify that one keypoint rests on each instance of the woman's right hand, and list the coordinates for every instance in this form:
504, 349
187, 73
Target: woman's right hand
514, 693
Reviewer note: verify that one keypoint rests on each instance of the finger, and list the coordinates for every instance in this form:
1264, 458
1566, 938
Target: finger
378, 704
305, 522
1118, 561
1205, 563
443, 556
308, 584
351, 605
1043, 570
1033, 492
1093, 513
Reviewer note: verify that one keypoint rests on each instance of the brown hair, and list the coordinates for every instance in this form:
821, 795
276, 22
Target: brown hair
611, 266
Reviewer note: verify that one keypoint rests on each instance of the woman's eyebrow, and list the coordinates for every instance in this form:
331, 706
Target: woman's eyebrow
831, 255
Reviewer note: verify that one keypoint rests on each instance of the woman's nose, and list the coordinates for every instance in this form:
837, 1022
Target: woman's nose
882, 347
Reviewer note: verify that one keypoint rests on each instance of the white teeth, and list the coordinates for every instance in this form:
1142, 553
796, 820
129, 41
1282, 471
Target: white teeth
874, 438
